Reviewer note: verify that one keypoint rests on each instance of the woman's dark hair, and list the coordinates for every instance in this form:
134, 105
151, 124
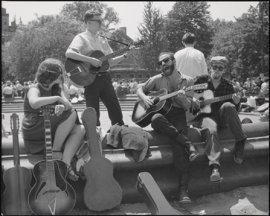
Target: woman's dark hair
48, 71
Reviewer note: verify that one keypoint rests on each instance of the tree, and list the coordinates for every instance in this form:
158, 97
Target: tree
152, 33
241, 42
77, 9
191, 17
48, 36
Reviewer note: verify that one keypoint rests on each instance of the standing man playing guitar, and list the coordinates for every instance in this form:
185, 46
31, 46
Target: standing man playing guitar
101, 87
222, 113
173, 123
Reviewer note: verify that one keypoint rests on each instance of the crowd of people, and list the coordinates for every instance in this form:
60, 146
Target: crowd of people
251, 87
175, 75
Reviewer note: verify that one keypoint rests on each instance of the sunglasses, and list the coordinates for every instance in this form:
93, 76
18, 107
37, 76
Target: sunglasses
164, 60
215, 67
97, 20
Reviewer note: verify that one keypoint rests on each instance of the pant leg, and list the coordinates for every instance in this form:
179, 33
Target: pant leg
91, 94
110, 100
209, 134
171, 124
228, 115
162, 125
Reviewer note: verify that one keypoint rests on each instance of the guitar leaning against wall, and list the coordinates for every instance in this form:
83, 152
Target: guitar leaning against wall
16, 179
51, 194
101, 191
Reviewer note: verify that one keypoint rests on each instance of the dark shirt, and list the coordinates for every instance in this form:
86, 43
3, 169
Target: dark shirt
224, 88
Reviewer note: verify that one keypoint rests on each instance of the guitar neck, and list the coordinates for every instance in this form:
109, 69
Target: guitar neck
194, 87
16, 148
14, 124
167, 96
112, 55
215, 99
48, 139
95, 145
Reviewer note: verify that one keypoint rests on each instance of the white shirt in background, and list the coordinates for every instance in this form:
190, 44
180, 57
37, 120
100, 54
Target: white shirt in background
191, 62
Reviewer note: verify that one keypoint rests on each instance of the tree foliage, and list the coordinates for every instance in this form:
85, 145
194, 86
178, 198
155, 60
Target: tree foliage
189, 16
46, 37
152, 33
77, 9
243, 42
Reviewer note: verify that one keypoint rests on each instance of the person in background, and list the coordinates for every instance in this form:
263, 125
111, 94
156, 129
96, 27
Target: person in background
259, 80
8, 91
190, 61
133, 86
101, 88
25, 89
67, 133
264, 91
19, 88
223, 114
173, 124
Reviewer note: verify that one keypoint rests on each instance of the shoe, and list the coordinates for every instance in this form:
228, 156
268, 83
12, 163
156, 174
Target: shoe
215, 175
183, 197
193, 153
238, 154
71, 174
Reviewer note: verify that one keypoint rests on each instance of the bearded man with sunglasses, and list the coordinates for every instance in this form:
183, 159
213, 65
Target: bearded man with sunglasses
173, 124
223, 114
102, 88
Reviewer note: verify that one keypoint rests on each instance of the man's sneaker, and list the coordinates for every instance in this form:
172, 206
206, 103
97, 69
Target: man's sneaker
183, 197
193, 153
215, 175
238, 154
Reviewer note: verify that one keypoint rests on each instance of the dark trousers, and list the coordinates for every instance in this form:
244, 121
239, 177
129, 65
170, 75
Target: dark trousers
170, 125
226, 116
102, 89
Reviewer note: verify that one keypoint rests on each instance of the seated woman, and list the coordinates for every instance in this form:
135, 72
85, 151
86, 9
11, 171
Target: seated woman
66, 130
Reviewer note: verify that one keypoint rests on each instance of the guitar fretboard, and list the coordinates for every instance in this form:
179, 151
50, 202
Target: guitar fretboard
195, 87
216, 99
48, 139
109, 56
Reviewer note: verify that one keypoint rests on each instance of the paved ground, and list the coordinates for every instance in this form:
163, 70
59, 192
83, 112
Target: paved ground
255, 201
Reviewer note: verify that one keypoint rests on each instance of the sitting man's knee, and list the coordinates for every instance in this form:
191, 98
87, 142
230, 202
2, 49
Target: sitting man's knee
228, 106
156, 119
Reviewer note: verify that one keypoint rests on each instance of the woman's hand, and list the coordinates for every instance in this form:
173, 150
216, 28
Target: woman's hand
66, 103
59, 109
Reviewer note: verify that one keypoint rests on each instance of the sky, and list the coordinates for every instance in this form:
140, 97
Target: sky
130, 13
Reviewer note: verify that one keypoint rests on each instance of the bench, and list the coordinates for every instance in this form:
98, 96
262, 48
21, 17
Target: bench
254, 170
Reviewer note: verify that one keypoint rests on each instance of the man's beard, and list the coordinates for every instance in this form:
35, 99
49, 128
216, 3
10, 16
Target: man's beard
170, 68
216, 76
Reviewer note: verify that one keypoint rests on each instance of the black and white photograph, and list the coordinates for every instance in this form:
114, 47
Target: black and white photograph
135, 108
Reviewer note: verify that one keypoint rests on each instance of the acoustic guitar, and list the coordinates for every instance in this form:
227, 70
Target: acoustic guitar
153, 196
101, 191
142, 115
16, 179
83, 73
206, 98
51, 194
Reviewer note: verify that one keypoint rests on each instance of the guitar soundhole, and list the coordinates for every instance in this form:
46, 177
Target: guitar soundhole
156, 100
